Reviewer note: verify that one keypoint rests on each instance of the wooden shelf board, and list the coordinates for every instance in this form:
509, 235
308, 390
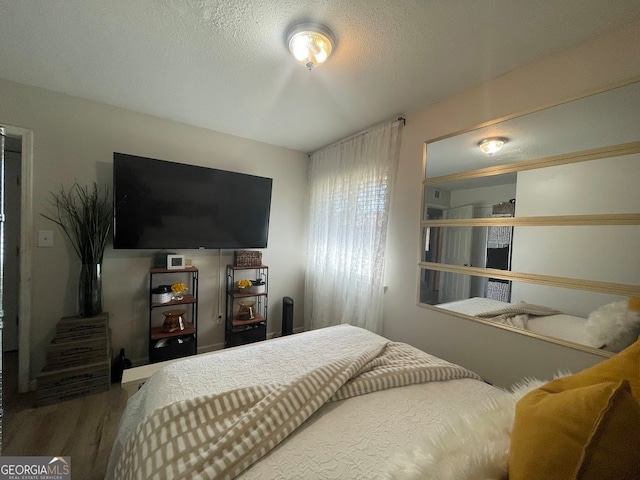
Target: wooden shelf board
248, 267
177, 270
157, 333
239, 323
186, 300
237, 294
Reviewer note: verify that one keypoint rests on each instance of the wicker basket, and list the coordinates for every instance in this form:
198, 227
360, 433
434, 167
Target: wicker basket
504, 208
247, 258
161, 297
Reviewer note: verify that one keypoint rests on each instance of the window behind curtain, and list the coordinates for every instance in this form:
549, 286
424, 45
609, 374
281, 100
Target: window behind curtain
350, 187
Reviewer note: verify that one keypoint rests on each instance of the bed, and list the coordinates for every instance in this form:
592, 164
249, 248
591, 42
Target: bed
375, 400
548, 322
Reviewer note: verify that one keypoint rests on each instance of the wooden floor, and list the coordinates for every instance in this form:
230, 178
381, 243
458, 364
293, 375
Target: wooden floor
83, 429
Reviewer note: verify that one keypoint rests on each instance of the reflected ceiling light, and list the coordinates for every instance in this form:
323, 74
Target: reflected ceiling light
310, 43
491, 145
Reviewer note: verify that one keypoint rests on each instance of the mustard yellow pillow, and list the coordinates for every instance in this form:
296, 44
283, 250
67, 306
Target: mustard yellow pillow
622, 366
585, 433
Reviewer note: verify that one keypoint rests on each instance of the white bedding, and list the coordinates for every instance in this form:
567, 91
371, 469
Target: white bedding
356, 438
564, 327
346, 439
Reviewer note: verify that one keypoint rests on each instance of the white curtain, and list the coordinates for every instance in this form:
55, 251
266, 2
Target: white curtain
350, 190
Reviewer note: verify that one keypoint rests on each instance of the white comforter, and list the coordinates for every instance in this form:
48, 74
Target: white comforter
340, 440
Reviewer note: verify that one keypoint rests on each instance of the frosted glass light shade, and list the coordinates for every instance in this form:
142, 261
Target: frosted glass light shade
491, 145
310, 44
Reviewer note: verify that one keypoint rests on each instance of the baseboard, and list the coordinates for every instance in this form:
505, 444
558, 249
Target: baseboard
211, 348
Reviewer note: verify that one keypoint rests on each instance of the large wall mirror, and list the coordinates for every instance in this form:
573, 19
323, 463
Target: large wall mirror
543, 235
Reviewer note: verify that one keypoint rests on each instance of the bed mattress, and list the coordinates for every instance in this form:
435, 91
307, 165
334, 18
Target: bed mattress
355, 438
352, 438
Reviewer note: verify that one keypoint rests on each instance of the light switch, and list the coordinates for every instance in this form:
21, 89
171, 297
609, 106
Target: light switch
45, 238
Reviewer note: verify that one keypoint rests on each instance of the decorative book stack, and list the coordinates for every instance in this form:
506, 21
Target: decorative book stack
78, 360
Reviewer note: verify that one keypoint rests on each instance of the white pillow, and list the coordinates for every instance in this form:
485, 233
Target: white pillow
613, 327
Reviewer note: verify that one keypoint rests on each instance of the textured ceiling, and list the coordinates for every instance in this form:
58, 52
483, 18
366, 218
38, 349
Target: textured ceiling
224, 65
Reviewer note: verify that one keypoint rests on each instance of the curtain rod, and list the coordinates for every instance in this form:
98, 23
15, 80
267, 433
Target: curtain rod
400, 118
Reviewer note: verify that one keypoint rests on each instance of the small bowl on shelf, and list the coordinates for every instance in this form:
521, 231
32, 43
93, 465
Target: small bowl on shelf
244, 286
179, 290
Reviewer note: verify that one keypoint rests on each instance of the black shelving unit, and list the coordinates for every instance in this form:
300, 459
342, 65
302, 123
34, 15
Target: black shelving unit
239, 329
180, 343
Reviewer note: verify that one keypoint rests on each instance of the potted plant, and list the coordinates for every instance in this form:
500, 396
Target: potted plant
85, 216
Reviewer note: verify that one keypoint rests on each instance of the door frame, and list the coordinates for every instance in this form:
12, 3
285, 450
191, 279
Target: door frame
26, 254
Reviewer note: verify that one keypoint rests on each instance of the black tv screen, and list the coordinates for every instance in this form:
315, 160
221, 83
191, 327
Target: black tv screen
167, 205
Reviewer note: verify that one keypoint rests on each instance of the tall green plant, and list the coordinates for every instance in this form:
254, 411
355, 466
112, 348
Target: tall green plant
85, 216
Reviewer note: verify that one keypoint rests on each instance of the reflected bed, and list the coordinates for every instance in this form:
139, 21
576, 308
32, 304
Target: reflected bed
557, 325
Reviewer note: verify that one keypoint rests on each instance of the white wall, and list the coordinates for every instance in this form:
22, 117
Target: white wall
75, 139
501, 356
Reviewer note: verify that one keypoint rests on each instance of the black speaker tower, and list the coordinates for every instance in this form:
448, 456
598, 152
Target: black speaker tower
287, 316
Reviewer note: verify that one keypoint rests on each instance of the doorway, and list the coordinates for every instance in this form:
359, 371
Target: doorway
432, 252
19, 161
456, 247
11, 295
11, 268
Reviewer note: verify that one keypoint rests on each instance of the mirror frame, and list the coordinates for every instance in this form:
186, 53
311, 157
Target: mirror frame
620, 289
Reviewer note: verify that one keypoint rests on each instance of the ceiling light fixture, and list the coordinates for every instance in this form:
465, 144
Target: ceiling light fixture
310, 43
491, 145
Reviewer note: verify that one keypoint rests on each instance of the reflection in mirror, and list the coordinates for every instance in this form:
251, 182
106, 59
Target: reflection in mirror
585, 252
483, 247
601, 321
607, 118
567, 181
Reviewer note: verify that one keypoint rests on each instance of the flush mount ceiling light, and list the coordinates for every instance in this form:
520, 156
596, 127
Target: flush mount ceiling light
491, 145
310, 43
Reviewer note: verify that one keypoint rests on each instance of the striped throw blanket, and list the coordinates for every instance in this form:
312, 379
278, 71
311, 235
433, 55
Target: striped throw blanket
219, 436
517, 314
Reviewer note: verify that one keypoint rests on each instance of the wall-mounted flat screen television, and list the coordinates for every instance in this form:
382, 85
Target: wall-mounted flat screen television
167, 205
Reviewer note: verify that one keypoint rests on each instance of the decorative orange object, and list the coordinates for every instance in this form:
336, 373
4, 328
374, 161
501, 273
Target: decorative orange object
245, 311
173, 320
